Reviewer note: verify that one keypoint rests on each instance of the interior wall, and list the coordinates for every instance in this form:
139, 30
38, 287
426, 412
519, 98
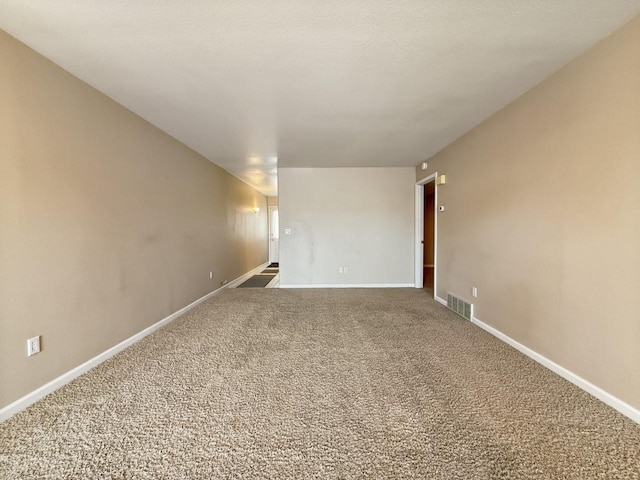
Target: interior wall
107, 224
272, 201
361, 218
542, 215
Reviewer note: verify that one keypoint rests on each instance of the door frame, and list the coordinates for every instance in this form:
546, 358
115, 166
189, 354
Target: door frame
271, 208
419, 232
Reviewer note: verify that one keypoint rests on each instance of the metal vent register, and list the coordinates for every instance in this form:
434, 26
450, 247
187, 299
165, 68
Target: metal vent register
462, 308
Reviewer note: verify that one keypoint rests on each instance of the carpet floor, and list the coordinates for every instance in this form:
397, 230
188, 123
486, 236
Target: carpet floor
336, 384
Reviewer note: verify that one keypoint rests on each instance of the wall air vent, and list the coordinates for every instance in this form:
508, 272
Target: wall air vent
462, 308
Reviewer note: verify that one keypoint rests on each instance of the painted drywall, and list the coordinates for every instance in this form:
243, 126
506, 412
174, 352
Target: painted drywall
272, 201
361, 218
542, 215
107, 224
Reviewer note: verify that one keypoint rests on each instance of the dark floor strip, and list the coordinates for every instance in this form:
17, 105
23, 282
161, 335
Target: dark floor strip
257, 281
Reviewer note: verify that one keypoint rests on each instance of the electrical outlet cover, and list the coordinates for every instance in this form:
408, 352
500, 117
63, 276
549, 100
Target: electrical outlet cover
33, 346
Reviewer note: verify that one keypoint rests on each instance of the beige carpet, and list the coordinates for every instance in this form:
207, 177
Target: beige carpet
344, 384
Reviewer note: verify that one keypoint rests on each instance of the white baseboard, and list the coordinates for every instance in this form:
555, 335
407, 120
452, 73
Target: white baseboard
39, 393
441, 300
351, 285
614, 402
275, 281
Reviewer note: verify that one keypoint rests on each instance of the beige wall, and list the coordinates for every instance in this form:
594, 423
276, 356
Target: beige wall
107, 225
543, 216
361, 218
272, 201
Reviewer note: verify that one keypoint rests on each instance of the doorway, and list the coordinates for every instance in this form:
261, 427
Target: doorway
426, 230
274, 235
428, 237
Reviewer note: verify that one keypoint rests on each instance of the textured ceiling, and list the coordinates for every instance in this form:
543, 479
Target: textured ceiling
253, 85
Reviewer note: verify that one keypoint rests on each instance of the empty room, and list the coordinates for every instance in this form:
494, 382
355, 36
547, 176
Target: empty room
341, 240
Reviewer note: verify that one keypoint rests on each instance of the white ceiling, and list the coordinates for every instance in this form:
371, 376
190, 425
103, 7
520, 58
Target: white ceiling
253, 85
